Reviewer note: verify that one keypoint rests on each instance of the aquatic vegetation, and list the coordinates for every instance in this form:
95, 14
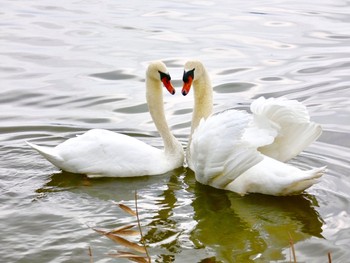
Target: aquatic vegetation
136, 251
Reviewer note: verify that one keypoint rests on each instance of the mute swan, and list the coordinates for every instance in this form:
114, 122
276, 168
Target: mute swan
103, 153
243, 152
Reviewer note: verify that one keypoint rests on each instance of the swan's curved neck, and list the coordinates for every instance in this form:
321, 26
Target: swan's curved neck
154, 96
203, 99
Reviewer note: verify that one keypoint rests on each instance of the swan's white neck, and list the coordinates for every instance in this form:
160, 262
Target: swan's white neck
154, 96
203, 99
203, 106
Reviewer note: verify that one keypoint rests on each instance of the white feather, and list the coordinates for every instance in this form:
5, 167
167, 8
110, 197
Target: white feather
100, 153
212, 148
295, 131
105, 153
243, 152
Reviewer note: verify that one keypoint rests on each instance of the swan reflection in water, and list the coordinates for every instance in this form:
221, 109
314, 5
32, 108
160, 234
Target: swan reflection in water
179, 214
241, 229
227, 227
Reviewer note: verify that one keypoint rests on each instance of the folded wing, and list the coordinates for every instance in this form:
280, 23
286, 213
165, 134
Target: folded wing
225, 145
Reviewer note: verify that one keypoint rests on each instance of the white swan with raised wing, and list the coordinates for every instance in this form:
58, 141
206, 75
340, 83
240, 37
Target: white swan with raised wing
245, 153
103, 153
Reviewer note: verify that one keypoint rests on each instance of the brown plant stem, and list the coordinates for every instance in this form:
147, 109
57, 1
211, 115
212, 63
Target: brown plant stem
90, 255
139, 225
292, 248
329, 257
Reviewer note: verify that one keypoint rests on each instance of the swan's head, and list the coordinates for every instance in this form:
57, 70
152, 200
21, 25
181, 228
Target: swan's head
159, 72
192, 72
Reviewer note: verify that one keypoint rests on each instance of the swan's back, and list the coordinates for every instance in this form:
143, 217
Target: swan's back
106, 153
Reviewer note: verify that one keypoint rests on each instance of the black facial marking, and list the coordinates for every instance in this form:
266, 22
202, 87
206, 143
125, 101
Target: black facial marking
164, 75
187, 74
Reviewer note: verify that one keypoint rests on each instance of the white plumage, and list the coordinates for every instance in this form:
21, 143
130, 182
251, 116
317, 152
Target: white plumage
244, 152
99, 153
292, 123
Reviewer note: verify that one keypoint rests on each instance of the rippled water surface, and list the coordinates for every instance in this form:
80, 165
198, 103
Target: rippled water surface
70, 66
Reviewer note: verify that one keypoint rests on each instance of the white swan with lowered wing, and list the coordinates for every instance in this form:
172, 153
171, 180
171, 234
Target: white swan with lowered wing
245, 153
103, 153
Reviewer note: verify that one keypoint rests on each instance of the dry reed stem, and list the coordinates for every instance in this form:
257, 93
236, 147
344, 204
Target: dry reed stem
293, 251
126, 230
292, 248
90, 255
139, 224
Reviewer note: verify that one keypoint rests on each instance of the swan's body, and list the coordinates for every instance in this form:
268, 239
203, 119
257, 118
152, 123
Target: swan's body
99, 153
244, 152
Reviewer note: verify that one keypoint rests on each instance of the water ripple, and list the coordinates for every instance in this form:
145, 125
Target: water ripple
113, 75
71, 66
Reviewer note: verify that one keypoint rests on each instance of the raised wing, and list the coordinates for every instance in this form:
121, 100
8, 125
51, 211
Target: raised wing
292, 121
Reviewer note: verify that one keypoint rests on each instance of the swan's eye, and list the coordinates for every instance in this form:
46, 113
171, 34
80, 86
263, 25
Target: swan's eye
188, 75
164, 75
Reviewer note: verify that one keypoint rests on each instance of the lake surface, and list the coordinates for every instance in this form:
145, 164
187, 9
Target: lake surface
70, 66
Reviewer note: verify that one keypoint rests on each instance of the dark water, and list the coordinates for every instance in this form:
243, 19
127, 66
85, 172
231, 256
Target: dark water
70, 66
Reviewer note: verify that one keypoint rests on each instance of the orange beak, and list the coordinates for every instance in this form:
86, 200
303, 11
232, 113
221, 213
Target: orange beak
167, 84
187, 86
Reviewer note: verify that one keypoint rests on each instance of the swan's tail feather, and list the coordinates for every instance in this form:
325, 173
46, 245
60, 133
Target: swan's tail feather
310, 178
47, 152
